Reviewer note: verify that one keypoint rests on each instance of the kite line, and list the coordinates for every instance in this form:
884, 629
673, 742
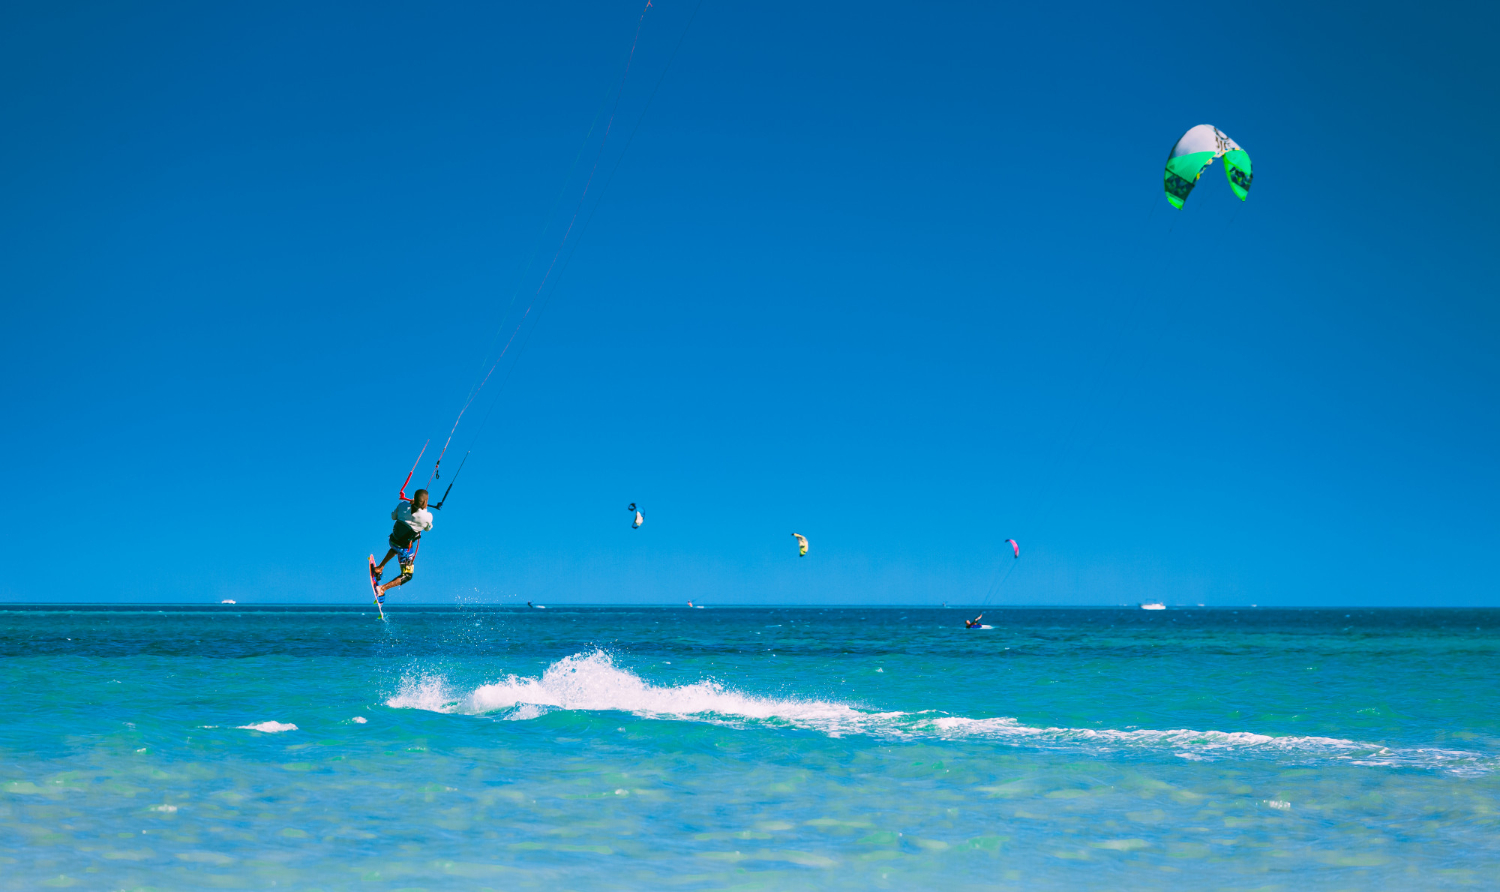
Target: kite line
562, 244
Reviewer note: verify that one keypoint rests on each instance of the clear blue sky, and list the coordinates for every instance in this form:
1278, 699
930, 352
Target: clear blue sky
896, 276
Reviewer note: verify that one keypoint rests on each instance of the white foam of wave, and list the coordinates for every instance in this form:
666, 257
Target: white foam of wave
268, 727
1207, 745
592, 682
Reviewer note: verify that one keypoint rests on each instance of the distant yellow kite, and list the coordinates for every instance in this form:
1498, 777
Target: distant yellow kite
801, 544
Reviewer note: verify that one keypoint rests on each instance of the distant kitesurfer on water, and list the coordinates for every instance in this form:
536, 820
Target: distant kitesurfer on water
412, 520
973, 623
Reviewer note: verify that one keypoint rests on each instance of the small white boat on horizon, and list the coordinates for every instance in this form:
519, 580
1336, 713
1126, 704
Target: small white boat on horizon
226, 601
1153, 605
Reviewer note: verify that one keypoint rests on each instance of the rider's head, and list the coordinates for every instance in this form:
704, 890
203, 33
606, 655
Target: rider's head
419, 499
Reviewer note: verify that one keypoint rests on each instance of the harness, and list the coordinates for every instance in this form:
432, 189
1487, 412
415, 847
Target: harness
403, 535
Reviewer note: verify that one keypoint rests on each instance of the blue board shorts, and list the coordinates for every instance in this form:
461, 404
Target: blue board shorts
407, 556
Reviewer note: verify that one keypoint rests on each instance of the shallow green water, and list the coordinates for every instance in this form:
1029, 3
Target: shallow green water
613, 748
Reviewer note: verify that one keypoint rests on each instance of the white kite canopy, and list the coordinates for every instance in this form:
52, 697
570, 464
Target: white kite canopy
1203, 138
1195, 151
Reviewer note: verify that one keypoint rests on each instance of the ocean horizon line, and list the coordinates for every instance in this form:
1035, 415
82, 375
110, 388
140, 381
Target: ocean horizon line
658, 605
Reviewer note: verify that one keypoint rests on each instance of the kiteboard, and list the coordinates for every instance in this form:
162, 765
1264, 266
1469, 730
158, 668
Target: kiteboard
374, 592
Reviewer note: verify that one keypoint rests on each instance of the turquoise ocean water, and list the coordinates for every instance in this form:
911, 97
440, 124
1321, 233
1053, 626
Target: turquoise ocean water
655, 748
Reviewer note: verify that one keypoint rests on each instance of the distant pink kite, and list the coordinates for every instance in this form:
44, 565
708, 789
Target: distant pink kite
1015, 546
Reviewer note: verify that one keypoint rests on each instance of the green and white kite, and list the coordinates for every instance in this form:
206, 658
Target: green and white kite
1195, 151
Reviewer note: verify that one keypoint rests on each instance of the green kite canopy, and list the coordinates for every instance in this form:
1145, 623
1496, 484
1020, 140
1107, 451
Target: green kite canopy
1195, 151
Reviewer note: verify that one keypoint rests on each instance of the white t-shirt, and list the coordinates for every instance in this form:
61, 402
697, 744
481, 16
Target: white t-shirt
420, 520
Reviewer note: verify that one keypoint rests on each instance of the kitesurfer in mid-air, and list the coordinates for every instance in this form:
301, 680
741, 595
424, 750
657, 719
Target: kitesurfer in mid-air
973, 623
412, 520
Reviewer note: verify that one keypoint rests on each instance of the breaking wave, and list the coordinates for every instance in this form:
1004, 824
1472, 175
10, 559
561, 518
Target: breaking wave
592, 682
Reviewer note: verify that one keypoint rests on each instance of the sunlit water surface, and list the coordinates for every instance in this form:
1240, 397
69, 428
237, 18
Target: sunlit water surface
610, 748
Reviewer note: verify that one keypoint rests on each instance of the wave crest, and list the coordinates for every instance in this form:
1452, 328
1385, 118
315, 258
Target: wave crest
592, 682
